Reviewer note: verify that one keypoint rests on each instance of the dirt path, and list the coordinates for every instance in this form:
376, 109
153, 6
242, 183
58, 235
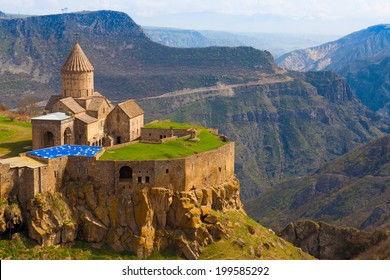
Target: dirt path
222, 88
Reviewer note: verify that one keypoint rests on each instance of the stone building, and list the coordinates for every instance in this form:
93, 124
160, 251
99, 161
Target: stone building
81, 115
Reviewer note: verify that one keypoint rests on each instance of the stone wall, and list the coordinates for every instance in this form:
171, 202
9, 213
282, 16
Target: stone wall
77, 84
121, 128
199, 171
135, 127
158, 135
57, 128
26, 182
8, 179
210, 168
121, 177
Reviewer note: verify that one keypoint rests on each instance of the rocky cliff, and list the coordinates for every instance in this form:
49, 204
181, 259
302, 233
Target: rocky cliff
325, 241
11, 218
361, 57
352, 190
283, 125
146, 220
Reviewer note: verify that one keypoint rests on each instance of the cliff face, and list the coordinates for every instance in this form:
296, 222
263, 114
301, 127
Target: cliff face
352, 190
146, 220
325, 241
287, 125
362, 58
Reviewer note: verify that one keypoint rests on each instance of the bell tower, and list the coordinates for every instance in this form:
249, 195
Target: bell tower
77, 74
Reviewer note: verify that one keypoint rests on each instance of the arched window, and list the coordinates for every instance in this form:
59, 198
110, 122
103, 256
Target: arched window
125, 173
67, 136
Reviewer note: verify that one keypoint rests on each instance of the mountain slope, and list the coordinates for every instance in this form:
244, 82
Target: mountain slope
366, 44
326, 241
277, 44
361, 57
286, 125
353, 190
127, 63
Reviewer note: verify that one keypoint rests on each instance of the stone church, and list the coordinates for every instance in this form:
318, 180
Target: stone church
83, 116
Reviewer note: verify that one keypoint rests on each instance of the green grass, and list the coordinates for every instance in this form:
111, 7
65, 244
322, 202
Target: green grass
168, 124
239, 229
23, 248
15, 136
171, 149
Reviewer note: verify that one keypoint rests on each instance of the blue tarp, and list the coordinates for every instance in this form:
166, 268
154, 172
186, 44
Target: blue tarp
67, 150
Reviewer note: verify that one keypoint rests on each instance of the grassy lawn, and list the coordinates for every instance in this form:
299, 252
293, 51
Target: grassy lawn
167, 124
14, 137
170, 149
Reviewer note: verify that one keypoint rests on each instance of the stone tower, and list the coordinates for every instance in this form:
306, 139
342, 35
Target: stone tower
77, 75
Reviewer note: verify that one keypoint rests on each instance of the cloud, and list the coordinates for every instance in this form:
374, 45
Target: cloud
321, 9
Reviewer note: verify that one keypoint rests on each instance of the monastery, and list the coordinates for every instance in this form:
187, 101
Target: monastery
80, 124
83, 116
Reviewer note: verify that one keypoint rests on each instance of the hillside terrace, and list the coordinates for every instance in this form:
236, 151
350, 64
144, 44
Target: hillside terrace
175, 148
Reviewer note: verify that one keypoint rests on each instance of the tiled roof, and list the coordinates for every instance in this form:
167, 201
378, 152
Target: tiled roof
96, 103
77, 61
85, 118
72, 105
53, 100
131, 108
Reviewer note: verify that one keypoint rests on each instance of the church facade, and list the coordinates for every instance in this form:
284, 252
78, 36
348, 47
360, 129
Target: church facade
83, 116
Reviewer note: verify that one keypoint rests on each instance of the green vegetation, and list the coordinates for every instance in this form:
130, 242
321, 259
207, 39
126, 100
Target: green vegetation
239, 229
171, 149
159, 68
174, 125
281, 130
272, 247
15, 137
352, 190
23, 248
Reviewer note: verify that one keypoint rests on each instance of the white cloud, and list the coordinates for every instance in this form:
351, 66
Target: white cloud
324, 9
244, 15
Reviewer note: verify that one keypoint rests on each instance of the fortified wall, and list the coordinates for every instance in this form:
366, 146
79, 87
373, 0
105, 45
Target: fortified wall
198, 171
67, 192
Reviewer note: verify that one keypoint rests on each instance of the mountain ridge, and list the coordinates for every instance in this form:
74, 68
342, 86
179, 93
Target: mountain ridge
128, 64
282, 128
362, 57
352, 190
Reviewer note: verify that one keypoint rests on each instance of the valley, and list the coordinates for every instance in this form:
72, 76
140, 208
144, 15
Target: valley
308, 145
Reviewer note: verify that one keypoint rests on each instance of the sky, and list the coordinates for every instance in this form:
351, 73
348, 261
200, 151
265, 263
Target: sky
336, 17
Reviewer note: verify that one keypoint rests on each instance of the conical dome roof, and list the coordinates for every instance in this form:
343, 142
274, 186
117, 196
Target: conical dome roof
77, 61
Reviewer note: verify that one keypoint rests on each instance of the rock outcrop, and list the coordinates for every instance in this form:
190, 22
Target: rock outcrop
325, 241
10, 217
145, 220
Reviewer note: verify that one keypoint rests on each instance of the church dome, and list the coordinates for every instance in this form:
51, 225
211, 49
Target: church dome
77, 61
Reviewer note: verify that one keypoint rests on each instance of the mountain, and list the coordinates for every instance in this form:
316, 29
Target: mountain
284, 125
127, 63
326, 241
2, 14
361, 57
353, 190
180, 38
277, 44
